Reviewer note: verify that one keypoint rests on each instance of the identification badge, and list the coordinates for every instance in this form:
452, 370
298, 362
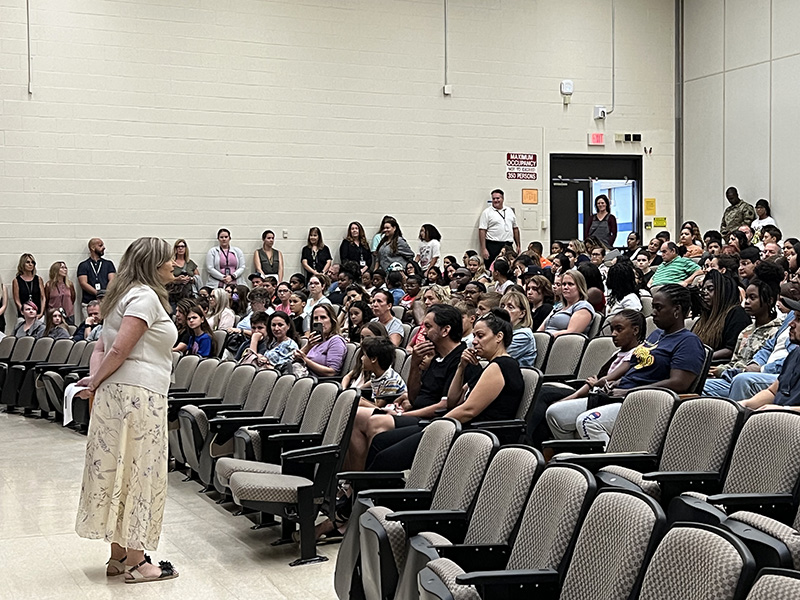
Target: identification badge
363, 263
97, 286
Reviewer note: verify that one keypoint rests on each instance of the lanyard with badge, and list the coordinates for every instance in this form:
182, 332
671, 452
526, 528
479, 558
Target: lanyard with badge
97, 270
503, 216
227, 254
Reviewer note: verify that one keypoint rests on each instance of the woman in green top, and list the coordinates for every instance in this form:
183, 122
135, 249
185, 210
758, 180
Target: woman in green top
267, 260
185, 270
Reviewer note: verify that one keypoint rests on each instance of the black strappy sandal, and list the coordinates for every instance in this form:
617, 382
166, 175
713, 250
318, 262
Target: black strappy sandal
167, 572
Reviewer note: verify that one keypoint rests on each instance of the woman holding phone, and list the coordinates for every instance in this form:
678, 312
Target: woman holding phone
323, 355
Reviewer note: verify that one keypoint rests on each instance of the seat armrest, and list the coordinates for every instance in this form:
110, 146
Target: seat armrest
276, 445
489, 579
498, 424
474, 557
370, 480
214, 400
187, 394
443, 522
306, 455
575, 446
177, 390
275, 428
403, 499
231, 414
595, 462
224, 424
212, 410
752, 502
681, 476
563, 378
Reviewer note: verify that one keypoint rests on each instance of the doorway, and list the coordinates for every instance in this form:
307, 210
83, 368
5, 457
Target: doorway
577, 179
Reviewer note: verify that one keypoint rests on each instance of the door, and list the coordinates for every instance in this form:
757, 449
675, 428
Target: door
577, 179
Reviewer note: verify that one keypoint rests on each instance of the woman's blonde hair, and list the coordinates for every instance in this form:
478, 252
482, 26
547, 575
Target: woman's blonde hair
139, 266
54, 269
580, 283
175, 249
221, 301
481, 269
442, 293
520, 300
21, 263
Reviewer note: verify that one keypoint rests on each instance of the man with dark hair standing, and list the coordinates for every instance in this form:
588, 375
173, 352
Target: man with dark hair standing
737, 214
497, 227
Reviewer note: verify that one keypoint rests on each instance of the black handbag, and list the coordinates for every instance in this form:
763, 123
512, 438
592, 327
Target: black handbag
233, 341
599, 397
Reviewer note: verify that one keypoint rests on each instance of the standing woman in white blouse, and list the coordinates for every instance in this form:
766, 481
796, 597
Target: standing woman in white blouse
125, 478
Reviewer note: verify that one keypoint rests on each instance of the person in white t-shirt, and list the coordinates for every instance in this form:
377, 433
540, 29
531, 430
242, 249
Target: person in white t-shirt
429, 247
496, 228
125, 477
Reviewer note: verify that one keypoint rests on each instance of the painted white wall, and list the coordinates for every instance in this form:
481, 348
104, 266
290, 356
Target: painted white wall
176, 118
742, 80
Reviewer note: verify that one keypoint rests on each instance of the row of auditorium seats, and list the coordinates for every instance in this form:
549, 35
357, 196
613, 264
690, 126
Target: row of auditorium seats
476, 529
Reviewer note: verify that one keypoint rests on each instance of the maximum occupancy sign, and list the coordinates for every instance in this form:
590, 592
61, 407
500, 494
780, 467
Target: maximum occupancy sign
521, 166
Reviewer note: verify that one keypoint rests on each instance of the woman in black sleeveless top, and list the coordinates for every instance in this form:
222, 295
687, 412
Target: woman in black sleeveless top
28, 285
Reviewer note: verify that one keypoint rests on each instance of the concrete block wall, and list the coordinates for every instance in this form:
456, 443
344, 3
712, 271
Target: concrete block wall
177, 117
742, 77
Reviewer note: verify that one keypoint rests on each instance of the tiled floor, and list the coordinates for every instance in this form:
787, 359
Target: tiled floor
217, 554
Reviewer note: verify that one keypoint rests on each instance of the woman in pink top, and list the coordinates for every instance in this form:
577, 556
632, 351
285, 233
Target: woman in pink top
59, 292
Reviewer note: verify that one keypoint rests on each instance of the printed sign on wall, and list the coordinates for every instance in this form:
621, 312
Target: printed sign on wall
521, 166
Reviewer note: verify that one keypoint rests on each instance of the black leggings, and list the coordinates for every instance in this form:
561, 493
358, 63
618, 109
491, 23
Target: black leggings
394, 450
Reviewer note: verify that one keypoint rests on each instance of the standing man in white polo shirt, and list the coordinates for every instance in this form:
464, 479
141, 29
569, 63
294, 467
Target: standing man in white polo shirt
497, 227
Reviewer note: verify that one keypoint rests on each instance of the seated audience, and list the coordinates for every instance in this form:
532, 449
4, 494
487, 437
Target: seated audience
413, 289
200, 342
576, 314
468, 315
486, 302
522, 346
356, 378
474, 394
748, 259
381, 304
433, 365
759, 303
674, 268
29, 325
434, 294
672, 358
539, 292
394, 284
477, 270
633, 245
324, 352
502, 276
358, 314
55, 325
282, 292
93, 321
784, 392
220, 314
274, 342
317, 284
722, 318
687, 246
623, 291
297, 302
181, 312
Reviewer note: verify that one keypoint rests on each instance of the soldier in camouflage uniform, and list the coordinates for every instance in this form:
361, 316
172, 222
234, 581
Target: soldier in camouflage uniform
737, 214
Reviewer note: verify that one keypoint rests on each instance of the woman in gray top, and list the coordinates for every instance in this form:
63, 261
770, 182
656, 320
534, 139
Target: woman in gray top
393, 248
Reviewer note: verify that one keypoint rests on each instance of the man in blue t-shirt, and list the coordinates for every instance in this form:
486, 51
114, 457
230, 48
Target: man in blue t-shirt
785, 392
653, 362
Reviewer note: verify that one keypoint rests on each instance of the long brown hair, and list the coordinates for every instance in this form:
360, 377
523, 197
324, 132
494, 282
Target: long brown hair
362, 237
54, 269
397, 234
320, 243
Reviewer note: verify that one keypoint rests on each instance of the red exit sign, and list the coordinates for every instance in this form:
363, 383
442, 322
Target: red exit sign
597, 138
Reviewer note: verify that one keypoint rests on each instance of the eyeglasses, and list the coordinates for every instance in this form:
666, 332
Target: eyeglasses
181, 246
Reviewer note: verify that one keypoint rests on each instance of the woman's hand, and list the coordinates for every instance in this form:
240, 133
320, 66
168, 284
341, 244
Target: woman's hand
469, 357
299, 356
88, 384
313, 340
